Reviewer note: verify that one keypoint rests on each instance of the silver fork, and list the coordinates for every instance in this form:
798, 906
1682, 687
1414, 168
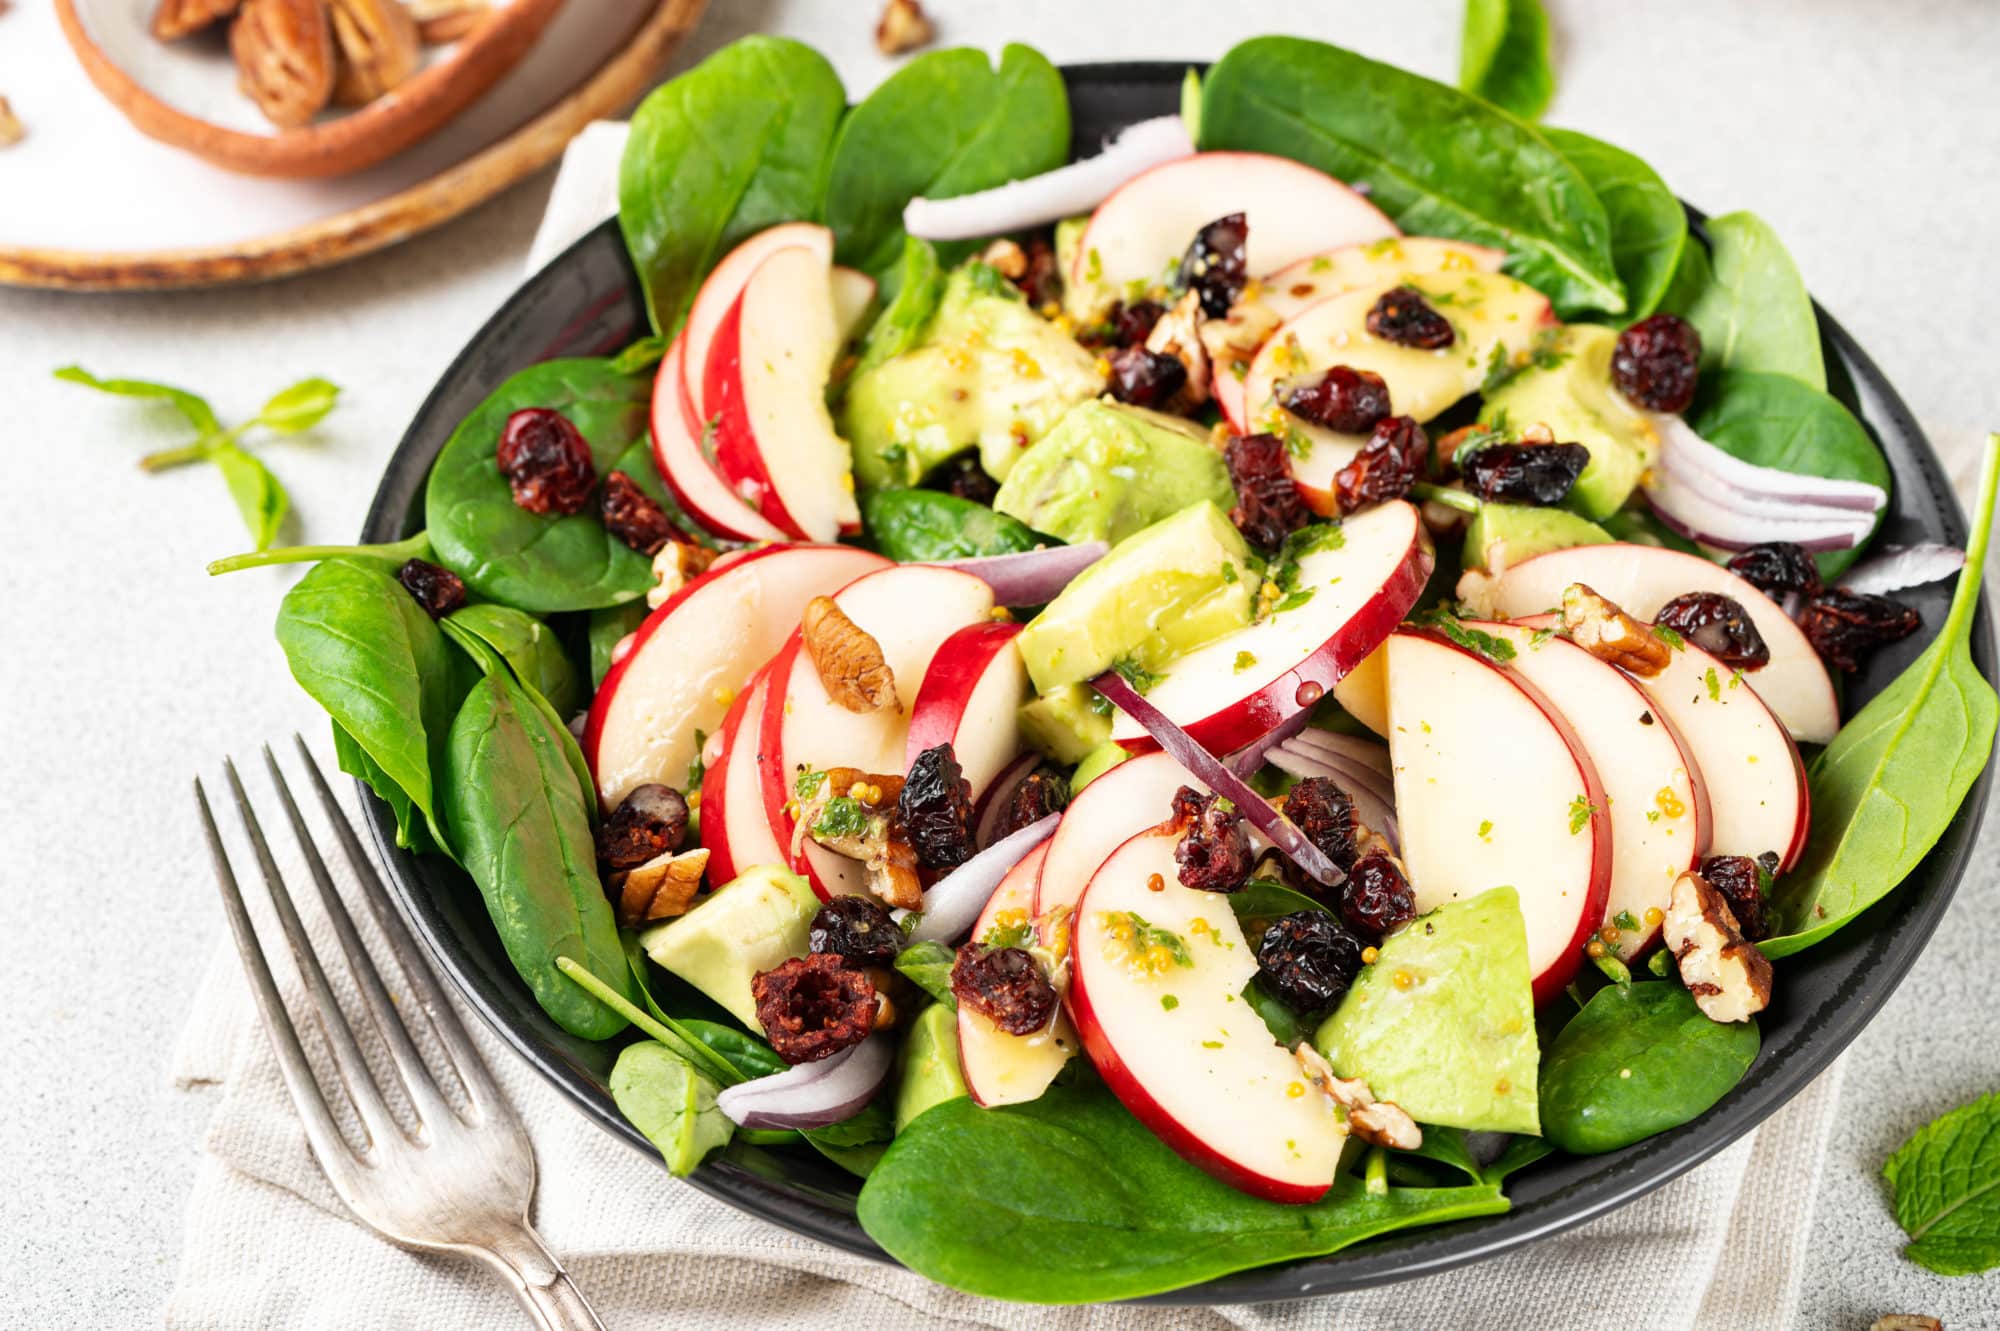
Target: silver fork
461, 1183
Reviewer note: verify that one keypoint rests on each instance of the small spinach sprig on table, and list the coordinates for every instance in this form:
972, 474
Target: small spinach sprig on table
1946, 1181
1504, 55
259, 496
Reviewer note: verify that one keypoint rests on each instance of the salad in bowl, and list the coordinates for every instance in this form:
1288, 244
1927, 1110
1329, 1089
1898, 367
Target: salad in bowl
1168, 712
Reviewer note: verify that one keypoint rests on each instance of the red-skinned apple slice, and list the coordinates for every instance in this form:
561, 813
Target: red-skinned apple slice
765, 385
691, 656
1293, 211
695, 483
1178, 1045
910, 610
718, 294
1288, 291
853, 292
734, 830
1640, 579
1003, 1069
1242, 686
969, 699
1658, 802
1494, 788
1117, 806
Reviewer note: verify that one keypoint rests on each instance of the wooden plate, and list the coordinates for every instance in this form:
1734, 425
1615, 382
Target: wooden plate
376, 224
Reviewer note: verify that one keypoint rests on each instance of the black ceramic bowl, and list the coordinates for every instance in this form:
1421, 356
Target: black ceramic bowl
587, 302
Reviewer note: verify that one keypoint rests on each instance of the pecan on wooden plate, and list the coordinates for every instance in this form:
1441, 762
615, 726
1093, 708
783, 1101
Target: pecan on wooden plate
175, 19
284, 58
378, 48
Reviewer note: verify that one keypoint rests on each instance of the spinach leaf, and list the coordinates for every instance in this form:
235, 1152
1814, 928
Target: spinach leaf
368, 654
391, 556
194, 409
534, 561
1745, 297
1264, 899
913, 525
523, 834
666, 1099
1520, 1153
928, 966
412, 833
1437, 161
1639, 1059
491, 662
1774, 420
946, 123
1649, 228
1504, 55
1946, 1180
735, 145
901, 324
530, 650
1068, 1199
1287, 1027
299, 407
1445, 1146
750, 1056
607, 627
1887, 787
260, 497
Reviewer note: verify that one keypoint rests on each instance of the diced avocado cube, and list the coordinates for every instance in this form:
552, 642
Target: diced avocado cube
1108, 470
1095, 764
1502, 535
749, 924
1569, 390
1066, 723
927, 1065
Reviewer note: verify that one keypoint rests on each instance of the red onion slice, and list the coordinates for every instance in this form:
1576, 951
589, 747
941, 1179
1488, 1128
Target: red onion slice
813, 1095
1901, 566
1727, 522
1246, 760
955, 900
1370, 806
1687, 453
1053, 195
1215, 773
993, 804
1031, 577
1369, 753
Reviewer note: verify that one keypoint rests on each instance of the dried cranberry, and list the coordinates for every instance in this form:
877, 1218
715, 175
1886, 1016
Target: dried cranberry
1042, 792
634, 516
1217, 264
546, 461
1739, 880
935, 808
859, 929
964, 477
1778, 567
1268, 504
1843, 626
1214, 851
1325, 813
1537, 474
438, 590
1386, 467
1342, 398
1719, 625
1145, 378
814, 1007
1039, 281
1005, 985
1132, 324
1376, 899
649, 822
1308, 959
1656, 362
1404, 317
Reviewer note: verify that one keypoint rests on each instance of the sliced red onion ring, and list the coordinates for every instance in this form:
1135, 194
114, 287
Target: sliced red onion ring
1687, 453
993, 804
812, 1095
1250, 757
1900, 566
955, 900
1728, 522
1053, 195
1215, 773
1370, 753
1370, 806
1031, 577
1350, 771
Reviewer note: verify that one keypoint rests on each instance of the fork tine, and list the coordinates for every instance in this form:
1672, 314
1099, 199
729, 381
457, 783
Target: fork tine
465, 1056
322, 1132
435, 1111
348, 1061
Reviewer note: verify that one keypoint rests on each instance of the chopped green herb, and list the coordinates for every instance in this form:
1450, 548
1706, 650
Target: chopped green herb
1141, 937
1229, 574
1669, 637
1472, 640
1015, 933
1581, 811
1294, 601
1486, 829
844, 817
1714, 683
1141, 679
1499, 369
1624, 919
1541, 636
697, 769
1296, 442
1245, 660
1168, 1002
807, 783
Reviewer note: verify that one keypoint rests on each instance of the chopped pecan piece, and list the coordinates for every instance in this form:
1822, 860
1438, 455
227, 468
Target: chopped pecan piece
853, 813
1232, 341
379, 48
1611, 635
677, 563
11, 132
1905, 1322
1178, 334
1007, 258
848, 659
1377, 1122
1729, 978
661, 888
284, 58
442, 21
904, 27
175, 19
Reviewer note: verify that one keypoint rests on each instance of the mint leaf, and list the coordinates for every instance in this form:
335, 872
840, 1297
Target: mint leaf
299, 407
196, 409
1947, 1184
259, 497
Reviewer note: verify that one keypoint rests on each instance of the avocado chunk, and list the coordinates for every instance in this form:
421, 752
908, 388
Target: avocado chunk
1095, 764
1165, 590
1066, 723
1568, 388
927, 1065
988, 373
1108, 470
1502, 535
749, 924
1454, 1042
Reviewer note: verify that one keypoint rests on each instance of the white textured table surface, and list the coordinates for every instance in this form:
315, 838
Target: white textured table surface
1867, 133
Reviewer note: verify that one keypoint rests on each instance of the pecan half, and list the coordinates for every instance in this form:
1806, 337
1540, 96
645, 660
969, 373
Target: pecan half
175, 19
1377, 1122
848, 659
870, 832
1178, 334
904, 27
661, 888
442, 21
1611, 635
284, 58
1729, 978
379, 48
678, 563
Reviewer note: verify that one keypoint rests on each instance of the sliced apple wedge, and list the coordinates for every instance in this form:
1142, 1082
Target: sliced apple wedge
718, 293
1143, 229
1642, 578
1288, 291
688, 473
1156, 993
970, 699
765, 385
1495, 789
910, 610
734, 829
1117, 806
1348, 595
1003, 1069
691, 656
853, 292
1658, 801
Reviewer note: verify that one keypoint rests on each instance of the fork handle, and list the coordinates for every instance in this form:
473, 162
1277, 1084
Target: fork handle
538, 1280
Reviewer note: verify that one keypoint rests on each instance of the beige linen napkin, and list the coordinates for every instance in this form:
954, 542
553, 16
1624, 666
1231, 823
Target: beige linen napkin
268, 1246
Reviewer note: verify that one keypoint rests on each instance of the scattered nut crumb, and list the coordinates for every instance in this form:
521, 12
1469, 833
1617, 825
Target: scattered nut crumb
1376, 1122
904, 28
1906, 1322
11, 132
